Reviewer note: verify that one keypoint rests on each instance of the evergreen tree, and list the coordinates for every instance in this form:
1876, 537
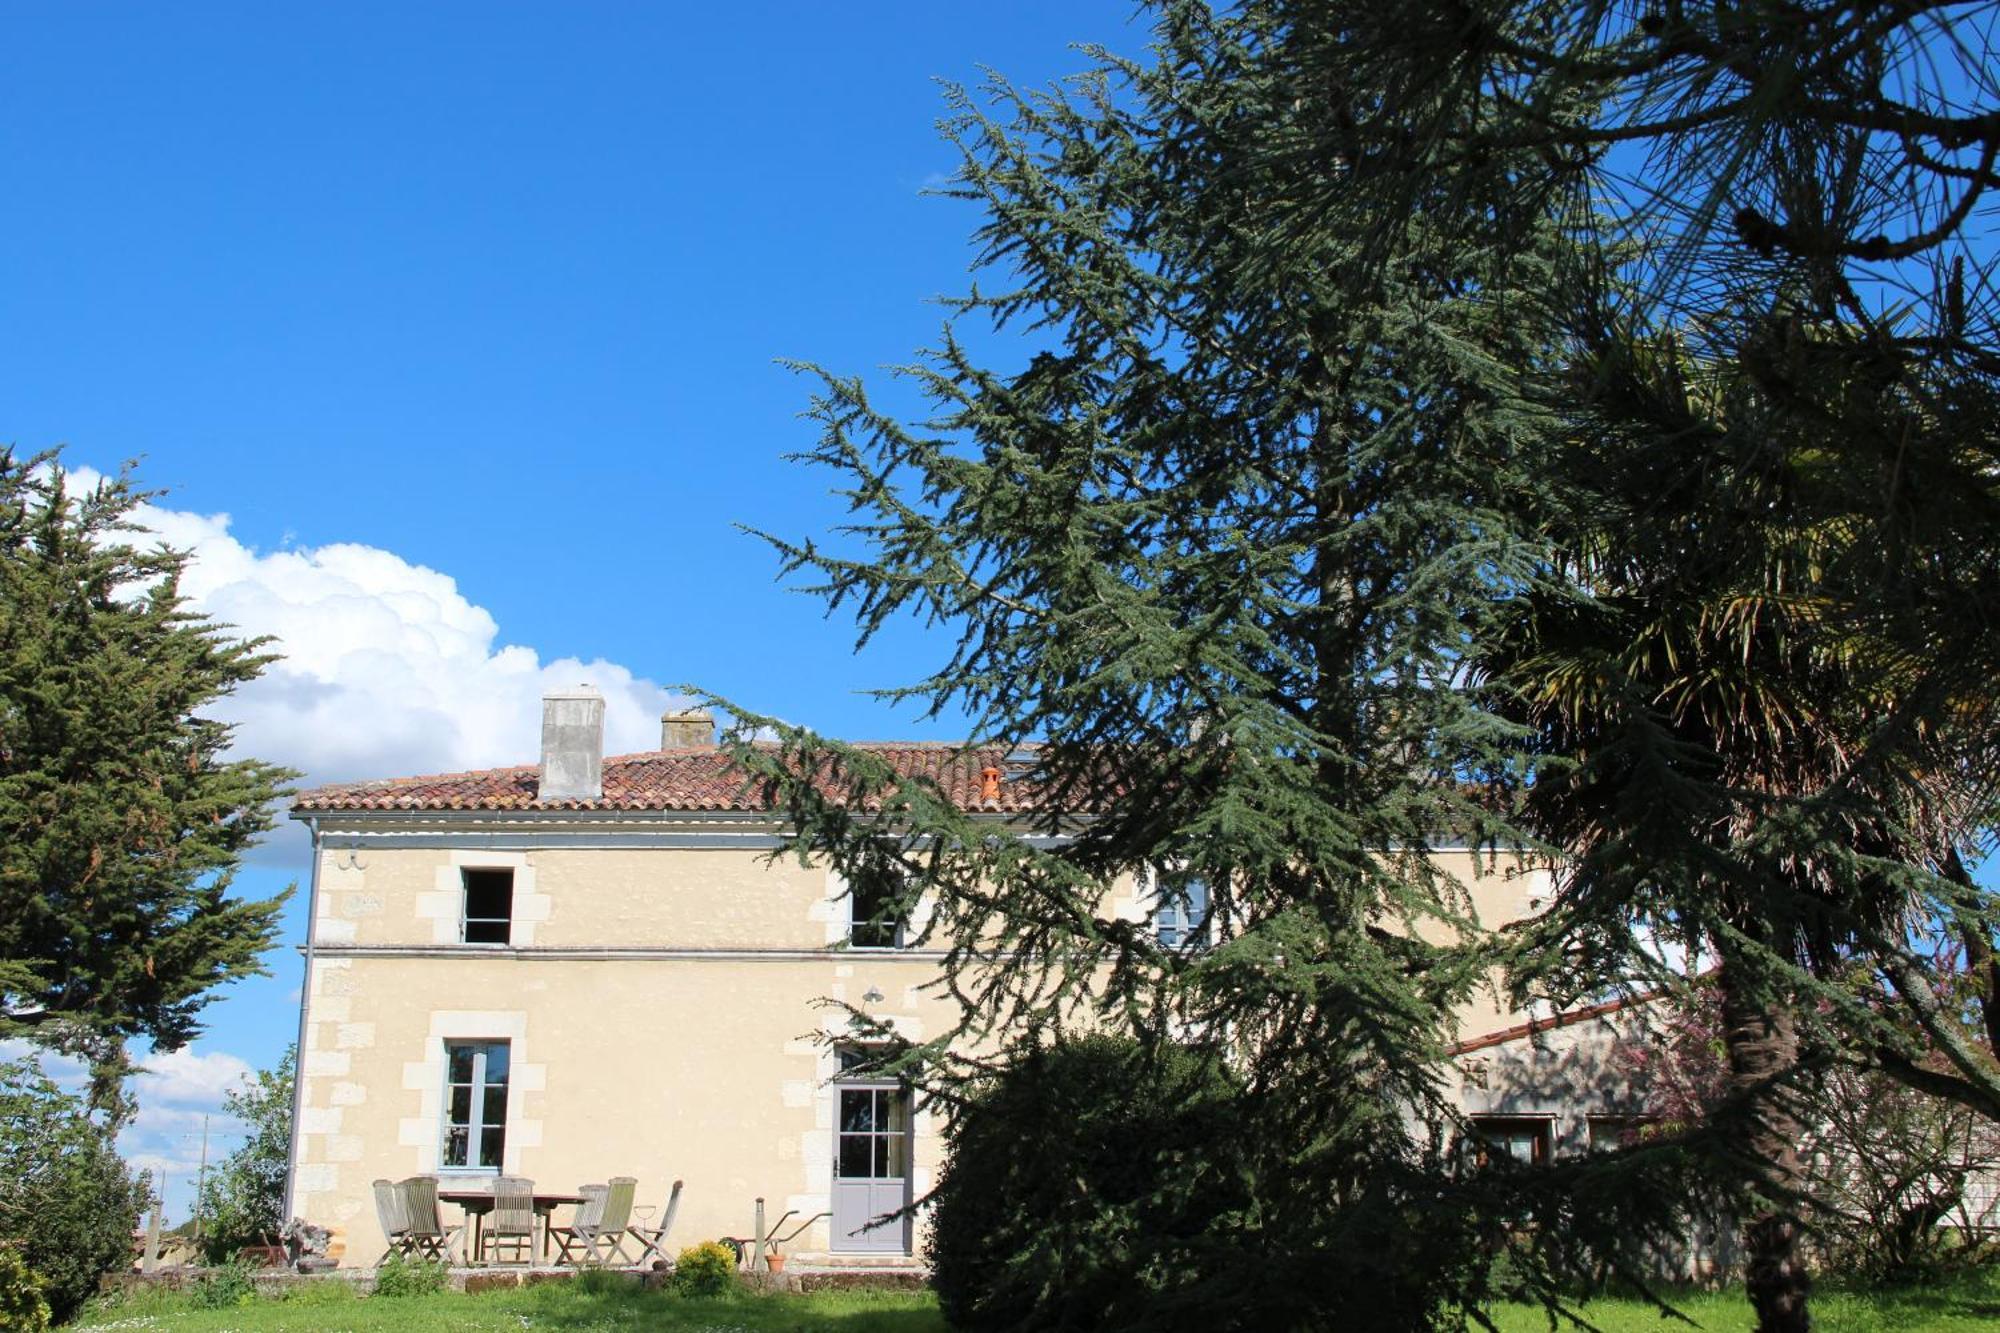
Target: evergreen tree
1771, 670
120, 822
1712, 704
1219, 550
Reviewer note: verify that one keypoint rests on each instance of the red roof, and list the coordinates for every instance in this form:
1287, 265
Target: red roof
697, 779
1557, 1020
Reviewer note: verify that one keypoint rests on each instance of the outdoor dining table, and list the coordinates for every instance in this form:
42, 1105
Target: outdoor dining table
478, 1203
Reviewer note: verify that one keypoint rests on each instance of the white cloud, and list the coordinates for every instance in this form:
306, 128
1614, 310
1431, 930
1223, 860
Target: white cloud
63, 1070
188, 1078
386, 669
180, 1098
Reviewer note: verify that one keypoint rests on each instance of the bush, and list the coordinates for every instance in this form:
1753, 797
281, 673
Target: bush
242, 1202
70, 1204
601, 1282
707, 1269
401, 1275
223, 1287
22, 1306
318, 1291
1121, 1201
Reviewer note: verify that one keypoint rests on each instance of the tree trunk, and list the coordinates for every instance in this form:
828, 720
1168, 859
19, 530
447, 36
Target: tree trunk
1763, 1044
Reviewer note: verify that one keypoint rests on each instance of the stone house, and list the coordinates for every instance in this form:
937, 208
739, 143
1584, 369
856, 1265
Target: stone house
590, 967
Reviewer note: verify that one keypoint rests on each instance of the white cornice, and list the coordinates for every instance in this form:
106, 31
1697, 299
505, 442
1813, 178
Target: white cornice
583, 829
635, 953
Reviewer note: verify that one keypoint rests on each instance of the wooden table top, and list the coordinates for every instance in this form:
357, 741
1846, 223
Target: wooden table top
475, 1198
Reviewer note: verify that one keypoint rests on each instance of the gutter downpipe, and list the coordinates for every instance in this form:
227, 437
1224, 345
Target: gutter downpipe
305, 1003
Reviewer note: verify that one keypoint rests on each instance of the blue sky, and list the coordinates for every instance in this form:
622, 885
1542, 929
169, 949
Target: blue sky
450, 330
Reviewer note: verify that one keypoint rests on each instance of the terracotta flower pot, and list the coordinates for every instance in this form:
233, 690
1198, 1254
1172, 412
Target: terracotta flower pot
775, 1262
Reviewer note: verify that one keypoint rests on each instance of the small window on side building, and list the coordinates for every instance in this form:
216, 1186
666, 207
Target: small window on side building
489, 906
1529, 1140
1609, 1133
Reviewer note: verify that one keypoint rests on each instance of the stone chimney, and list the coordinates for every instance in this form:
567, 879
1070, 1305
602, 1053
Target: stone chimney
572, 745
687, 729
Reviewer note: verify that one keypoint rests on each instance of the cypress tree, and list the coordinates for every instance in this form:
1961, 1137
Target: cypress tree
121, 823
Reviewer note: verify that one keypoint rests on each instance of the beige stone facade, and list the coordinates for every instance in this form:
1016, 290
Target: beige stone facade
661, 995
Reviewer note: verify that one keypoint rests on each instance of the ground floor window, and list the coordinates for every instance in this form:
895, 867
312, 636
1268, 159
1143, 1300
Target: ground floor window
475, 1105
874, 1134
1608, 1133
1529, 1140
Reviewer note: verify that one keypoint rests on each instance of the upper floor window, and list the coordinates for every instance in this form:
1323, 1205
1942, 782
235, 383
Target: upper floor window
874, 909
489, 906
1180, 917
475, 1105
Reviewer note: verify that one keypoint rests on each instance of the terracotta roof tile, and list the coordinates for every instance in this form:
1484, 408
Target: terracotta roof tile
692, 780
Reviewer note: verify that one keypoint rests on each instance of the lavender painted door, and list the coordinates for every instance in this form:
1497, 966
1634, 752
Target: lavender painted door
871, 1168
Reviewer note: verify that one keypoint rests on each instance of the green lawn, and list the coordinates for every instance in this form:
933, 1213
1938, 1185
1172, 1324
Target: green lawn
555, 1306
1954, 1307
1966, 1305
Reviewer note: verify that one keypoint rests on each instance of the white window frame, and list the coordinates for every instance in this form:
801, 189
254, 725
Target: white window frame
476, 1126
899, 938
1176, 914
465, 917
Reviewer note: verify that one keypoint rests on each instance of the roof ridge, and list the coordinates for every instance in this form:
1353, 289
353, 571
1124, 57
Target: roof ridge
678, 778
425, 777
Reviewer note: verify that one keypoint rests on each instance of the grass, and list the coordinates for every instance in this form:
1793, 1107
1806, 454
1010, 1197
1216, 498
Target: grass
1953, 1307
569, 1307
1957, 1306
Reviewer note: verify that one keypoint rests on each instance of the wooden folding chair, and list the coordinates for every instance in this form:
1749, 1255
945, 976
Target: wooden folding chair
571, 1240
652, 1240
394, 1215
512, 1222
429, 1236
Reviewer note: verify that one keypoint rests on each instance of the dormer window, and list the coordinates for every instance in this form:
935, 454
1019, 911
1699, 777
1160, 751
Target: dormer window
1180, 913
489, 907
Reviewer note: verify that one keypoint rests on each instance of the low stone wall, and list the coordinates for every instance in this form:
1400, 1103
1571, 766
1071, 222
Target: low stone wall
274, 1280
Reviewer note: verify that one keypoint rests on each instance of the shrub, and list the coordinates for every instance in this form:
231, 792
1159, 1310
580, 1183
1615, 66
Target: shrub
1127, 1187
601, 1282
707, 1269
222, 1287
69, 1202
318, 1291
401, 1275
242, 1202
23, 1309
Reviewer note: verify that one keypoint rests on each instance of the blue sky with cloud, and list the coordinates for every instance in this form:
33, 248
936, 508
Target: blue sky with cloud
450, 331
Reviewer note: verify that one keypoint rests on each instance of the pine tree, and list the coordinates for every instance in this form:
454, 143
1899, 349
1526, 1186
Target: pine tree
1771, 669
1218, 550
121, 824
1712, 706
